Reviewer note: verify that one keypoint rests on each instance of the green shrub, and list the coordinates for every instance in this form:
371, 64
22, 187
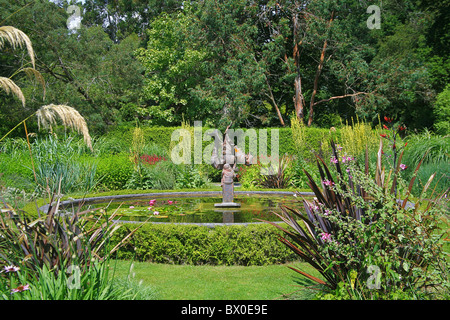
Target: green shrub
442, 112
190, 177
254, 244
113, 171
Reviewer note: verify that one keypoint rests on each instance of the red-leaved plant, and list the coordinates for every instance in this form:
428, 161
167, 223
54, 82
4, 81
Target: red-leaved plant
356, 221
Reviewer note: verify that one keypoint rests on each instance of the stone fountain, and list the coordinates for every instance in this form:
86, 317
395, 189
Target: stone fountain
225, 157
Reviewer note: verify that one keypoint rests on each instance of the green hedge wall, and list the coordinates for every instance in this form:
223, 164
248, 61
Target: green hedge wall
161, 136
253, 244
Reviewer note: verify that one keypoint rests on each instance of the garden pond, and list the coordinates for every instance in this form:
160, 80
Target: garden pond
192, 207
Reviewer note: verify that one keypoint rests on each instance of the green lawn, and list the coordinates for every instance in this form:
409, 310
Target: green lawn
187, 282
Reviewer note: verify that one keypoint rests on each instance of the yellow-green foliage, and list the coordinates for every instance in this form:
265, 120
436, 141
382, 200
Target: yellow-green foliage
355, 137
298, 134
137, 144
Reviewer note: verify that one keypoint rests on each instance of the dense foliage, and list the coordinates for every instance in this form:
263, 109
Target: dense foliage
192, 244
255, 63
365, 236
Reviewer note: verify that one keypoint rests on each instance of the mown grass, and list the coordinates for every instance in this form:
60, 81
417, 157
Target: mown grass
206, 282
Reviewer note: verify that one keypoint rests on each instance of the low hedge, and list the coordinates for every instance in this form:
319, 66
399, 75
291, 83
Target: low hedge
252, 244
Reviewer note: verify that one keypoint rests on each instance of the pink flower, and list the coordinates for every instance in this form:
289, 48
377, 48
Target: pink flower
326, 237
21, 288
334, 160
169, 201
327, 212
403, 166
10, 269
328, 183
152, 202
345, 159
131, 207
156, 213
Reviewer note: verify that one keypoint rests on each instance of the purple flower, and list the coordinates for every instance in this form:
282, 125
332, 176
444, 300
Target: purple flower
328, 183
327, 212
334, 160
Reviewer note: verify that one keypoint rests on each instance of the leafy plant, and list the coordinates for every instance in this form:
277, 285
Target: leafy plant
190, 177
357, 221
56, 240
160, 176
278, 178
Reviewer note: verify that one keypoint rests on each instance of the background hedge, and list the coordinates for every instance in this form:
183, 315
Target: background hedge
161, 136
253, 244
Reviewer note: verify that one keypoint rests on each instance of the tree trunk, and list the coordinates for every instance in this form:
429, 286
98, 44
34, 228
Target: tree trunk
316, 80
298, 97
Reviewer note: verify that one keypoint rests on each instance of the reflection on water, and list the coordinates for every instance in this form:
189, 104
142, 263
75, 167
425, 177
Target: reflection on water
200, 209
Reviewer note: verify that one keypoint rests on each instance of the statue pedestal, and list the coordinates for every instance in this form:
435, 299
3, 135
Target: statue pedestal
227, 205
227, 197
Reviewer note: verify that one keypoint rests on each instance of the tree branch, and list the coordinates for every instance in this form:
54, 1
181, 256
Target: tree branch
339, 97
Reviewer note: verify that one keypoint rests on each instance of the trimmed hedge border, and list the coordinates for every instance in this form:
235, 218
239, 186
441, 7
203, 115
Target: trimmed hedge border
252, 244
196, 244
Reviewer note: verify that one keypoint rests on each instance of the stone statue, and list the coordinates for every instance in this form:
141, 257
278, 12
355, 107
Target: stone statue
231, 155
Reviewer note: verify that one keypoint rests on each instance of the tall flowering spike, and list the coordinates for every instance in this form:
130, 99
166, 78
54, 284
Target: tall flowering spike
387, 119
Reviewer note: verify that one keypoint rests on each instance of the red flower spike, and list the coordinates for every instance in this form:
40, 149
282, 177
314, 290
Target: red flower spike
385, 126
387, 119
383, 135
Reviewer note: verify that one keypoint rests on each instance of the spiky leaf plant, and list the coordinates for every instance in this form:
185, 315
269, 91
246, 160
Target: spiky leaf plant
56, 239
356, 223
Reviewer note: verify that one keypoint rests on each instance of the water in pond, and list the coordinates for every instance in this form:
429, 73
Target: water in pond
200, 209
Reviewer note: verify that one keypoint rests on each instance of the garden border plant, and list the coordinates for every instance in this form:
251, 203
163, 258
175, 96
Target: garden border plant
39, 256
364, 236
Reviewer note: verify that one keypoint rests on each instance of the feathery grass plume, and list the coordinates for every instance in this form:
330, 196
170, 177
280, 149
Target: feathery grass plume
69, 116
16, 38
10, 87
